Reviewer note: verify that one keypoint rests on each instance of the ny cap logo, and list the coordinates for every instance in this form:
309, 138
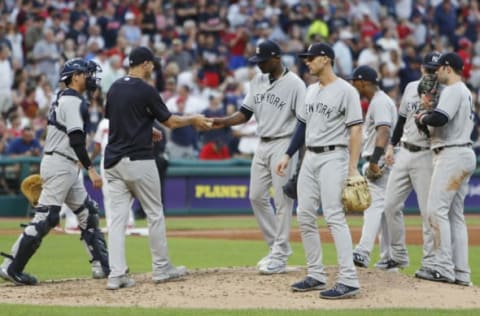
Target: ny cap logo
435, 58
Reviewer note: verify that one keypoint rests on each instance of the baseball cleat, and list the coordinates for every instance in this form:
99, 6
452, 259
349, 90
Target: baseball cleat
463, 283
122, 281
360, 260
390, 265
264, 261
273, 267
19, 278
170, 273
433, 275
308, 284
339, 291
97, 270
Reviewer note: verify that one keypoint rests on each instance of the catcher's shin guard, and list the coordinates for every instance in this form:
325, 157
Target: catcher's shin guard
92, 236
33, 235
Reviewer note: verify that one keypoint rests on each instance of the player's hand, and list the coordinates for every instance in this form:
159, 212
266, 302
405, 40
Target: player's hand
389, 155
282, 165
374, 167
201, 122
156, 135
95, 178
217, 123
352, 172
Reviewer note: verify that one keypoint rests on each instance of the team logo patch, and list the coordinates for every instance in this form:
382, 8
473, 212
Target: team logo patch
257, 51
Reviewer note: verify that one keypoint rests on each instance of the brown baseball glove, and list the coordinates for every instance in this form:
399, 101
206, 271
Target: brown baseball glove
31, 187
374, 172
356, 195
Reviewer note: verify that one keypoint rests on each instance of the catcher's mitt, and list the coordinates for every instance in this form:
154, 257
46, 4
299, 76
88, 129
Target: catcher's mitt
374, 175
356, 195
422, 128
31, 187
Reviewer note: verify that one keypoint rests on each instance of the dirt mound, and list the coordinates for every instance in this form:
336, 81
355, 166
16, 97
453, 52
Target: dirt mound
241, 288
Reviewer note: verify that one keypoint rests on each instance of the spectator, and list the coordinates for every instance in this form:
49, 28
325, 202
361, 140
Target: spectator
183, 140
29, 105
215, 139
343, 55
445, 20
6, 80
131, 31
110, 25
26, 145
47, 56
180, 56
214, 150
112, 72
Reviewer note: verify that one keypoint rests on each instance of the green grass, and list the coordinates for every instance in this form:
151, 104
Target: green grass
27, 310
238, 222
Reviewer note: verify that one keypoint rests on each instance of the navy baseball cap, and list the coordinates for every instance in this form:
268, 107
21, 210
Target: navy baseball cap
366, 73
452, 60
318, 49
430, 60
265, 50
141, 54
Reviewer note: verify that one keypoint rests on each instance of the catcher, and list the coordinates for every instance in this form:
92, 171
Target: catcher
428, 90
380, 117
63, 154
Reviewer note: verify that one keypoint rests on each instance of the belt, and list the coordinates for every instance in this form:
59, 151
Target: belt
414, 148
49, 153
323, 149
269, 139
439, 149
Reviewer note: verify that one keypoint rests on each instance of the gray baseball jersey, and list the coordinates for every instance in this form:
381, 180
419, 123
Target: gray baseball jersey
328, 112
412, 170
408, 106
456, 103
67, 113
453, 164
381, 112
275, 104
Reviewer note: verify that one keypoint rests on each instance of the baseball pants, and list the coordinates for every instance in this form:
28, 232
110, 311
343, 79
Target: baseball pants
320, 184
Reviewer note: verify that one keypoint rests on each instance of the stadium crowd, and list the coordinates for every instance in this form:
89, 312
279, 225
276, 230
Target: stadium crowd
204, 46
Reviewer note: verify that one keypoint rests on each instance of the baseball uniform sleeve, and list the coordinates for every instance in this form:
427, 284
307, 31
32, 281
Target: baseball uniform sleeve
449, 101
72, 111
353, 108
403, 108
156, 106
381, 115
299, 102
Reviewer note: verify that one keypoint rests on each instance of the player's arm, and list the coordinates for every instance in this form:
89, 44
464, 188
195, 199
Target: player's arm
434, 118
297, 141
239, 117
159, 110
397, 135
354, 147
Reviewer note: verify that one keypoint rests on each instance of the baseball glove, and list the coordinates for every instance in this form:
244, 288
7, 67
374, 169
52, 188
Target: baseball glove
356, 195
373, 175
31, 187
422, 128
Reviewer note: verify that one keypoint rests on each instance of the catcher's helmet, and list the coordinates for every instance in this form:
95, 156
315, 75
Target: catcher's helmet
79, 65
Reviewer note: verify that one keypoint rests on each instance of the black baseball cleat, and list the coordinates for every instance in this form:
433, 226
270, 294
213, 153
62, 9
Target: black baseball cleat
390, 264
339, 291
19, 278
308, 284
360, 260
433, 275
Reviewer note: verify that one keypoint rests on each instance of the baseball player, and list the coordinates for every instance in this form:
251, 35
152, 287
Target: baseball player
132, 106
453, 164
330, 124
64, 152
412, 169
274, 98
380, 117
101, 139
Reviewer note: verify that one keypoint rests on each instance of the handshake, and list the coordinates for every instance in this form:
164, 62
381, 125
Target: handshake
201, 122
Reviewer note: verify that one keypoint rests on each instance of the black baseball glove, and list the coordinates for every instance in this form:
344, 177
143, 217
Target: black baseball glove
422, 128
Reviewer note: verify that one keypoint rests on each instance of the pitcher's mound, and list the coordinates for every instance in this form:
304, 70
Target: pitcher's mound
241, 288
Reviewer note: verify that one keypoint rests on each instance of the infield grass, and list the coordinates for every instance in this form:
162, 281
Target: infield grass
27, 310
